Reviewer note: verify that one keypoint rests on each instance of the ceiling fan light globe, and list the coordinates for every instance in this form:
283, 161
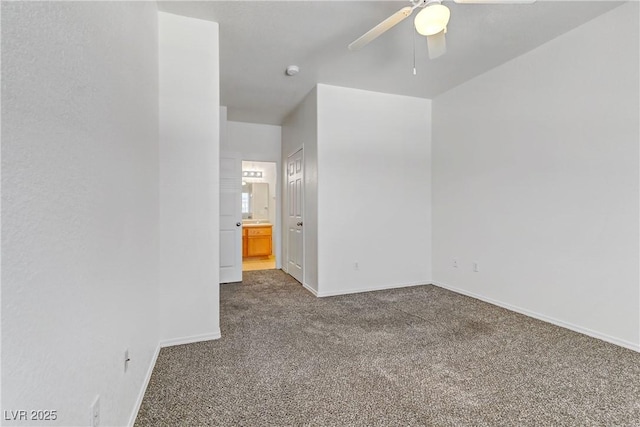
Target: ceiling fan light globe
432, 19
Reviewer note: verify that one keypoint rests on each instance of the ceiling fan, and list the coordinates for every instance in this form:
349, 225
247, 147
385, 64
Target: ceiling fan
431, 22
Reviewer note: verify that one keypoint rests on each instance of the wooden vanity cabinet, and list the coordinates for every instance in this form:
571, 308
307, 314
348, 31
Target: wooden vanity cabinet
257, 241
244, 241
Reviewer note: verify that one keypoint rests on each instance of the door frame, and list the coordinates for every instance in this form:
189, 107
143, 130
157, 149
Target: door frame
278, 246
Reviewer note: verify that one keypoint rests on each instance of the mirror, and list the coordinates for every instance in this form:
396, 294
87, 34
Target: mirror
255, 200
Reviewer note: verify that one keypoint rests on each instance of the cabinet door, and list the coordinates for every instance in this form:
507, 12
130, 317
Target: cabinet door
259, 245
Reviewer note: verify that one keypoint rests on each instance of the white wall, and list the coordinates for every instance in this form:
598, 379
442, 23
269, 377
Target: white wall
255, 141
79, 206
374, 181
189, 181
536, 178
300, 129
258, 142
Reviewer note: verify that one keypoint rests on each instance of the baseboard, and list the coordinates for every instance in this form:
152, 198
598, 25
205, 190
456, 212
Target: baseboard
189, 340
310, 289
377, 288
143, 389
544, 318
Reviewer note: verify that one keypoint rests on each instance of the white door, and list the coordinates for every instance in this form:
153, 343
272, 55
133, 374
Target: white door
294, 215
230, 217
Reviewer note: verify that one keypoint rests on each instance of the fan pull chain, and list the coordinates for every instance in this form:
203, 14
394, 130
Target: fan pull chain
414, 52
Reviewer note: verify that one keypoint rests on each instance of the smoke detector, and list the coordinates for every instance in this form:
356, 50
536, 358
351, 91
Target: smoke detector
292, 70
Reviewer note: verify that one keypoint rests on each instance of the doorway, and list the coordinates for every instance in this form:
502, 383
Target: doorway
259, 215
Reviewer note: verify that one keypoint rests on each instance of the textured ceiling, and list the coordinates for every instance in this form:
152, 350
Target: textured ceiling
259, 39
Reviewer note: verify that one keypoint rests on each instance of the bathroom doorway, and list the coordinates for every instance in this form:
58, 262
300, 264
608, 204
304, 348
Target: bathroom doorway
260, 210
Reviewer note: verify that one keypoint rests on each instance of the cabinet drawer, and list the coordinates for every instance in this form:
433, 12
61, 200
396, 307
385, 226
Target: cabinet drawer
259, 231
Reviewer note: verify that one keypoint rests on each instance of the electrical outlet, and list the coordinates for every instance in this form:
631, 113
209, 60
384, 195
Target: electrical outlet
476, 266
127, 359
95, 412
455, 263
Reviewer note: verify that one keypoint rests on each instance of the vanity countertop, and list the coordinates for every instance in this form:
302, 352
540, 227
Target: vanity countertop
262, 224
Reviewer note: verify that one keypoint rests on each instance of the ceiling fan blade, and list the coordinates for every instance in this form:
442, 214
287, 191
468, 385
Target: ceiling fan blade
381, 28
495, 1
437, 45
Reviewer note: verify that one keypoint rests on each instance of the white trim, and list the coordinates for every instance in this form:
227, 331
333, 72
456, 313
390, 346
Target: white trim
544, 318
310, 289
189, 340
143, 390
377, 288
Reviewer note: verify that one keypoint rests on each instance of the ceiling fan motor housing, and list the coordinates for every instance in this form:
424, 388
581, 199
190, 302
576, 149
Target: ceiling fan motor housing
433, 19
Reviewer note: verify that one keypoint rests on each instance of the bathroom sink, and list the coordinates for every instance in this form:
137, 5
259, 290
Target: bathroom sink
255, 221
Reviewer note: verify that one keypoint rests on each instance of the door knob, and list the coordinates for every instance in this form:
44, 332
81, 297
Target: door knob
300, 224
238, 224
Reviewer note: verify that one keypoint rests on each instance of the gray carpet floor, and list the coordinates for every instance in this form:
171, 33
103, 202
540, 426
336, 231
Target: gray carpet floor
420, 356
